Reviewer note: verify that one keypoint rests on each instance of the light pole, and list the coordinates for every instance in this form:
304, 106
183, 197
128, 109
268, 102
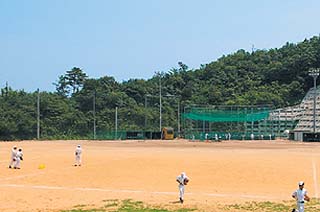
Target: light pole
38, 114
116, 123
160, 102
178, 117
314, 72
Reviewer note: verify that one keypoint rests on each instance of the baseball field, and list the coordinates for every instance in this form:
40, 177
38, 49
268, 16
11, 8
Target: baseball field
224, 176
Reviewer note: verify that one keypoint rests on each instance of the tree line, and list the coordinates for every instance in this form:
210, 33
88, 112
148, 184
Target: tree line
276, 76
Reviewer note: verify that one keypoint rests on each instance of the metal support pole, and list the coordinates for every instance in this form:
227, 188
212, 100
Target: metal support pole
314, 73
116, 123
38, 115
160, 107
94, 116
314, 102
179, 118
145, 116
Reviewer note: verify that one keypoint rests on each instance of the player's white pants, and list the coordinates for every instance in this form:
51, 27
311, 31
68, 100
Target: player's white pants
300, 207
181, 191
12, 162
17, 163
78, 160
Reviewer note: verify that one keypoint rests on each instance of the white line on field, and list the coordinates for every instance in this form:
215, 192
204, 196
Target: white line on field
28, 175
244, 196
20, 176
315, 182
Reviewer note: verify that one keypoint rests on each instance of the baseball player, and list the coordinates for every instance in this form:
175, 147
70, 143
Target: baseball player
78, 153
13, 156
252, 136
182, 180
301, 196
19, 158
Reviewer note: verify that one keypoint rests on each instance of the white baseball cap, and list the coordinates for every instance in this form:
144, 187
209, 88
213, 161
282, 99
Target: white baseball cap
301, 183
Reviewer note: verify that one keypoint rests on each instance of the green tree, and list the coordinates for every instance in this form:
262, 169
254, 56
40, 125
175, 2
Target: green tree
71, 83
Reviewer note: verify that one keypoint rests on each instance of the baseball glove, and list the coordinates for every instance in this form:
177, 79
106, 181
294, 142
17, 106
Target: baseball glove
21, 158
185, 182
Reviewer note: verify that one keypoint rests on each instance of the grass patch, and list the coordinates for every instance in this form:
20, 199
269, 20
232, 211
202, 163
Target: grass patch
312, 206
80, 206
127, 205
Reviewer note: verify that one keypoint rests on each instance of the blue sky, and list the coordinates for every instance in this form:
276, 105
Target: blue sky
42, 39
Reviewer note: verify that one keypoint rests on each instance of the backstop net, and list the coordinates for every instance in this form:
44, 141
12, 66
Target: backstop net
223, 122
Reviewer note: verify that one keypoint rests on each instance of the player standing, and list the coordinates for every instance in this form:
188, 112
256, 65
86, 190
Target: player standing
78, 153
182, 180
13, 156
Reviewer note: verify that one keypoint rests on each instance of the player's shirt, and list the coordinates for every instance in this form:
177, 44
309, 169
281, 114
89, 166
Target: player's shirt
78, 151
13, 154
300, 195
181, 179
19, 155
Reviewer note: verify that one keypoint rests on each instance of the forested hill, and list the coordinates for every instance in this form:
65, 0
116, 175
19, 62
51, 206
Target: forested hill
276, 76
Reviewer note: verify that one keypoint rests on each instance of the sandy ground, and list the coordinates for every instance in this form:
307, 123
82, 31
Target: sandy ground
220, 173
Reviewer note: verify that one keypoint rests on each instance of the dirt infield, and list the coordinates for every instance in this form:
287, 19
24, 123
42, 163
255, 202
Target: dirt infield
221, 173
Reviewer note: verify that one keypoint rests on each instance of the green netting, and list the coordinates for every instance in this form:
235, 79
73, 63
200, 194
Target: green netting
218, 136
111, 135
216, 115
123, 135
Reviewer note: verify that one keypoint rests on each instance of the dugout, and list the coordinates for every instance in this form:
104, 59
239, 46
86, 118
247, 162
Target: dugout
134, 135
305, 136
152, 135
124, 135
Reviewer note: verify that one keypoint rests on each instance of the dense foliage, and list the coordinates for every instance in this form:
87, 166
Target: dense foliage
276, 76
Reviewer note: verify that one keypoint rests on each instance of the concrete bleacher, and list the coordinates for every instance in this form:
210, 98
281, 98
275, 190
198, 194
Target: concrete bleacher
301, 114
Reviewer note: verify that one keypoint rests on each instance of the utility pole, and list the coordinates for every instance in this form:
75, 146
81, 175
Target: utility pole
94, 115
179, 117
160, 103
145, 116
116, 123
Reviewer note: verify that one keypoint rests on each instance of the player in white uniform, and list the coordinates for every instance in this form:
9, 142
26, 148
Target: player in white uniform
13, 156
182, 180
78, 153
252, 136
18, 159
301, 196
